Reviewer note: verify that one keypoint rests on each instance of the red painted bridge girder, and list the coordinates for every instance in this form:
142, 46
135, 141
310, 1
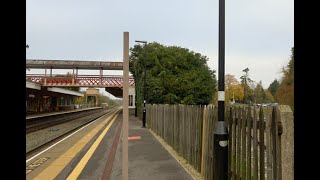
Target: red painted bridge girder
78, 81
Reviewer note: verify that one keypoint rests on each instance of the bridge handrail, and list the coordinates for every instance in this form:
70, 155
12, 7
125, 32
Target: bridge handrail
78, 76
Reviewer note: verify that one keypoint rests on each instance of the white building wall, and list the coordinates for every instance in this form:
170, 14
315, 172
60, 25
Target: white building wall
133, 93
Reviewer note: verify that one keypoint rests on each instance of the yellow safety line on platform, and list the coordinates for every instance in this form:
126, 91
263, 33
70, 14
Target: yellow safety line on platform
78, 169
59, 164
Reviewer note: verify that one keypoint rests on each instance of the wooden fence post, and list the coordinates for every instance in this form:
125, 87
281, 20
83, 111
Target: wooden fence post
255, 145
269, 144
261, 136
234, 148
230, 148
275, 144
243, 143
249, 129
287, 142
204, 140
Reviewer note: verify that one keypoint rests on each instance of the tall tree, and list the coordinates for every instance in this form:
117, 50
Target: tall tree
175, 75
274, 86
230, 80
233, 89
259, 93
236, 92
246, 83
269, 97
285, 93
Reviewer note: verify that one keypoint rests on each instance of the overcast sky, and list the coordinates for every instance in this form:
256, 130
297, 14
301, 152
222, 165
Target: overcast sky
259, 33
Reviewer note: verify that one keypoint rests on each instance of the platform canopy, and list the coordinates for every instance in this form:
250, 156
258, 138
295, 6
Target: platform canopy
33, 85
65, 91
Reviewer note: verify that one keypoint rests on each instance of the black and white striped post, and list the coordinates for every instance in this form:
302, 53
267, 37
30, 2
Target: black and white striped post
220, 133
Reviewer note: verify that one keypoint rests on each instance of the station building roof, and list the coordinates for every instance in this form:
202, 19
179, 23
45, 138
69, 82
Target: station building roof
65, 91
33, 85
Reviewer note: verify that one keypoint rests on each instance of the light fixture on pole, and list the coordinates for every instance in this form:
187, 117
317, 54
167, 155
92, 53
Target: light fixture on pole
144, 85
27, 46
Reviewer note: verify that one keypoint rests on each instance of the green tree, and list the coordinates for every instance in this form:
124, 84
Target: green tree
246, 83
175, 75
105, 99
259, 93
285, 93
269, 97
274, 86
81, 100
101, 99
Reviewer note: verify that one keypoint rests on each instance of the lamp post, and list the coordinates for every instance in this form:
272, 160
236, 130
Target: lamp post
220, 133
27, 46
144, 85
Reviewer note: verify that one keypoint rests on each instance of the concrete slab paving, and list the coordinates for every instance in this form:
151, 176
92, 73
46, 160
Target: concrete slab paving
148, 159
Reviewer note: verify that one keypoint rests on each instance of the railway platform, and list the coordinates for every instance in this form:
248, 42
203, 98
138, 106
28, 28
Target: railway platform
148, 159
95, 152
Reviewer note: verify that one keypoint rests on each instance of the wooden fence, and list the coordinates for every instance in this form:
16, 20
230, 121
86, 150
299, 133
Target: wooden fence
254, 143
180, 126
254, 150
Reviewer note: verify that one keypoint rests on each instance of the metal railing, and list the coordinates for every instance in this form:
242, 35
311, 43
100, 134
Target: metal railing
78, 80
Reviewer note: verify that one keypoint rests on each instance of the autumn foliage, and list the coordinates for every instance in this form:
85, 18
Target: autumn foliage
285, 93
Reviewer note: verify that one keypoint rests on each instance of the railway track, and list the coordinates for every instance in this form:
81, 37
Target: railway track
91, 117
39, 123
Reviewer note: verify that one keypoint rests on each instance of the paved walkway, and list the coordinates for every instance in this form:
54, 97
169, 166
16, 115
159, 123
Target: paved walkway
148, 159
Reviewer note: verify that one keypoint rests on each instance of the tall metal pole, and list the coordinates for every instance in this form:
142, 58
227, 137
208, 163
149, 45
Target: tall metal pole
27, 46
125, 111
220, 133
144, 88
144, 84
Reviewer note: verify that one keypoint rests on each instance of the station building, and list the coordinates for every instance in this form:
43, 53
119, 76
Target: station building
41, 99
